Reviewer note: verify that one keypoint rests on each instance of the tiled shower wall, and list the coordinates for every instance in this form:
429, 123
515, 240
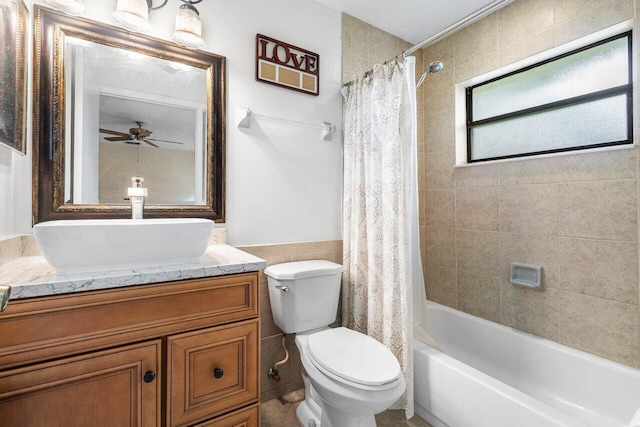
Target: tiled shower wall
576, 215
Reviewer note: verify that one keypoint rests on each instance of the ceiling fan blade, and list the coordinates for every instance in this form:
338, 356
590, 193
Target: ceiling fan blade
118, 138
113, 132
164, 140
151, 143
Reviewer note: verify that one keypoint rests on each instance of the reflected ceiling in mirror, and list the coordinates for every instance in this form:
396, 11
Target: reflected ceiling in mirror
111, 105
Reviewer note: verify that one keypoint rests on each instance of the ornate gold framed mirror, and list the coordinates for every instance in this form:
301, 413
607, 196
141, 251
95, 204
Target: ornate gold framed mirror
110, 105
14, 18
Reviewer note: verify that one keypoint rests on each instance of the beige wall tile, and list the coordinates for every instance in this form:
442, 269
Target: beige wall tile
477, 175
476, 40
267, 327
570, 9
474, 68
529, 209
439, 208
530, 249
599, 326
610, 13
30, 246
599, 210
530, 171
530, 310
440, 246
442, 51
439, 131
477, 208
439, 92
478, 252
440, 284
271, 352
439, 169
601, 268
601, 165
355, 36
513, 51
479, 295
523, 20
382, 46
10, 249
352, 66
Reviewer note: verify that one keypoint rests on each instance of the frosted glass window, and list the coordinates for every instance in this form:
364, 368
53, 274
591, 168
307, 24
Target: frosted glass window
581, 99
578, 125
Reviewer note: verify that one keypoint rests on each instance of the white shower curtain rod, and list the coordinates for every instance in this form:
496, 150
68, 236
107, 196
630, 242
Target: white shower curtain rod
487, 9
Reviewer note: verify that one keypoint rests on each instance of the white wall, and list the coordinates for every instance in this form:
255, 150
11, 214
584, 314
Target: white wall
283, 182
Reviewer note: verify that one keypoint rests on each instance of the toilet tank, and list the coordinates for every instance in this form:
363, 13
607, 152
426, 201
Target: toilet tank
304, 295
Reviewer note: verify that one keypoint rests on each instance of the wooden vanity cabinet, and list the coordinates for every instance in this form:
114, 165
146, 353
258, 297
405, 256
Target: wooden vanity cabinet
181, 353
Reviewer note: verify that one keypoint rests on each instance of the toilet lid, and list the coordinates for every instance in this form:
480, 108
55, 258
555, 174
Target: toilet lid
353, 356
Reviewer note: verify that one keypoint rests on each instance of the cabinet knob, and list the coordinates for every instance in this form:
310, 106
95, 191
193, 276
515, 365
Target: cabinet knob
149, 376
218, 373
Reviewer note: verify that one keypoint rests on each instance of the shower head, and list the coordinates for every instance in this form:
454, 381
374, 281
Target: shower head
433, 68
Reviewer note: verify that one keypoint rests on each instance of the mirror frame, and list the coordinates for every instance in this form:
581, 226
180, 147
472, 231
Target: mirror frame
51, 27
14, 17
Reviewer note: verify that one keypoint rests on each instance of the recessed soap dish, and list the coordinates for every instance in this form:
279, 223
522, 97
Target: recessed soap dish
526, 275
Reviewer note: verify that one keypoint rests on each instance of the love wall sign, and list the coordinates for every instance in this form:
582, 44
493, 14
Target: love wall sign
282, 64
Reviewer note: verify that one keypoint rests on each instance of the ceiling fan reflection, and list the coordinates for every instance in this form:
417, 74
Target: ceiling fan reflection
135, 136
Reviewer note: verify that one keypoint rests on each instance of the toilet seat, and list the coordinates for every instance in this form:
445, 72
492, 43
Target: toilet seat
353, 359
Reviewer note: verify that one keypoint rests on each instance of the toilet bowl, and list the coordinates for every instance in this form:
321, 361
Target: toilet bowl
349, 377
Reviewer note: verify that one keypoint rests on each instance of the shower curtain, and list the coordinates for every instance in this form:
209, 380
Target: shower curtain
380, 213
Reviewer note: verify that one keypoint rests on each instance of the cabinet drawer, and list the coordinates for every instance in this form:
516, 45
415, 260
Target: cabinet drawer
105, 389
243, 418
37, 329
212, 371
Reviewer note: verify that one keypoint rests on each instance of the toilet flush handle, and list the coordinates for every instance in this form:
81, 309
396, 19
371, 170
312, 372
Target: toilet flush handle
283, 288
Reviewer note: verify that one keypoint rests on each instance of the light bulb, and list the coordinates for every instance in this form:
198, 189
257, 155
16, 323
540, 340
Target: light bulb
188, 29
72, 7
132, 15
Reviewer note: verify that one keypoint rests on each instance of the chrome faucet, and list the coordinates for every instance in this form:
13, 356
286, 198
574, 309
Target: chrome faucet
137, 194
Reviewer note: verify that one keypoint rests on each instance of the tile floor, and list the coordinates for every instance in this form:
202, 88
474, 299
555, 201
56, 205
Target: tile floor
282, 413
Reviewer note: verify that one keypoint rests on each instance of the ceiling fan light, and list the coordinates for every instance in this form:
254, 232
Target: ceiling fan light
132, 15
188, 28
71, 7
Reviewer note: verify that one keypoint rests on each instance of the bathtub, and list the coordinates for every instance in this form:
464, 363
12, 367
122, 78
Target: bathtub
495, 376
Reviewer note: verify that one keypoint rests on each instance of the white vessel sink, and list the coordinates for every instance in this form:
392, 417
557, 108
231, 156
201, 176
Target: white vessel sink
114, 244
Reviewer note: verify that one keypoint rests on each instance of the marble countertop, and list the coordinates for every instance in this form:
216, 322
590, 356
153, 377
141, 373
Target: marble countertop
32, 276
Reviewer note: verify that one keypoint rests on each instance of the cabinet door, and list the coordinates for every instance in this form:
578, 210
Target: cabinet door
212, 371
102, 389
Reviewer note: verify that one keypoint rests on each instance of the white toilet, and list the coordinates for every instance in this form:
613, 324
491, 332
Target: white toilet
348, 376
